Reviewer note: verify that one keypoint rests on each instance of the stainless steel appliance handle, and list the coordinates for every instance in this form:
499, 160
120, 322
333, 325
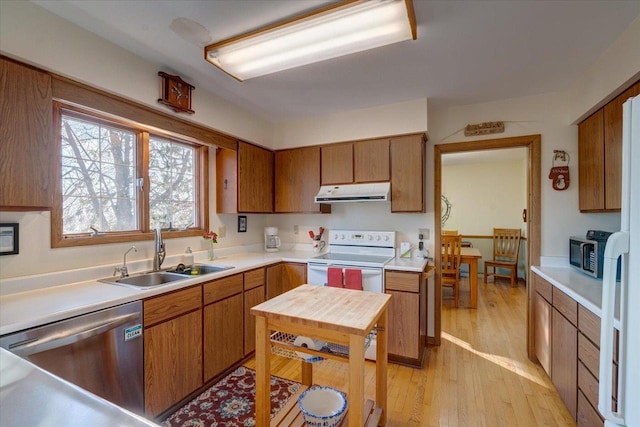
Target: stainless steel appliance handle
63, 338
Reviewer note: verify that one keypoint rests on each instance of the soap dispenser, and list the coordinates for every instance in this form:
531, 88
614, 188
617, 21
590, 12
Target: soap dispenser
188, 257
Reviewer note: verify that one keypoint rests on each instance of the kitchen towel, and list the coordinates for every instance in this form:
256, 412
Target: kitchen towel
353, 279
334, 277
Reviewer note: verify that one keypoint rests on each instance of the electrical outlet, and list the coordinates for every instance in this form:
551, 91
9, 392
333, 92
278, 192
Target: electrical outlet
222, 231
296, 229
424, 232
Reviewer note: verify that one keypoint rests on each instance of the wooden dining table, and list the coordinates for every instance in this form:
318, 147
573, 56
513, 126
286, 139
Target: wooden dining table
471, 256
336, 315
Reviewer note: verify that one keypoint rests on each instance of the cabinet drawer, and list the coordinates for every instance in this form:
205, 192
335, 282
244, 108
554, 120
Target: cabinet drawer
589, 354
222, 288
589, 325
565, 305
587, 415
543, 287
588, 384
253, 279
171, 305
405, 282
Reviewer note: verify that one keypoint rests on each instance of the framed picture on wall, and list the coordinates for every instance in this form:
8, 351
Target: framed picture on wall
9, 239
242, 223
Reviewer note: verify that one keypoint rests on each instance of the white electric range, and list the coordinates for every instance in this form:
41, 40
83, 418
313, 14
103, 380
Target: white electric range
367, 251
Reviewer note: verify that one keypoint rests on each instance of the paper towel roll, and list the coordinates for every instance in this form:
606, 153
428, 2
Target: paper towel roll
307, 342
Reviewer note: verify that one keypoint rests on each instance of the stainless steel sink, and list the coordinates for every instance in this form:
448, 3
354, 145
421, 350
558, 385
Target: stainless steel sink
199, 269
147, 280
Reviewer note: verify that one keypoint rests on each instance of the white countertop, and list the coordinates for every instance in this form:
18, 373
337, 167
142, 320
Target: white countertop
35, 307
40, 305
586, 290
406, 264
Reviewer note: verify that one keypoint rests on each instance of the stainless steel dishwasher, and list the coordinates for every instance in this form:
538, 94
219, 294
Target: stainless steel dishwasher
101, 352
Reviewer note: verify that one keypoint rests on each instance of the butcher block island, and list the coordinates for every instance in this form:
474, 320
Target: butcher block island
335, 315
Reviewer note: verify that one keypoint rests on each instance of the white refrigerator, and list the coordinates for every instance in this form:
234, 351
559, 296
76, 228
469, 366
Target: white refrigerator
625, 244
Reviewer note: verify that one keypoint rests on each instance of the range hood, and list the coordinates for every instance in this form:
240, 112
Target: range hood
375, 192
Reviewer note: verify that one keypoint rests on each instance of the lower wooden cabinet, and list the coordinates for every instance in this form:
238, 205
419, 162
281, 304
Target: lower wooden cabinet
542, 332
564, 360
567, 338
254, 294
223, 324
407, 316
172, 348
284, 277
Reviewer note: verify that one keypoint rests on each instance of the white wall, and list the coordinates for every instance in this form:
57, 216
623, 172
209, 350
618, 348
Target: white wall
384, 120
618, 66
485, 195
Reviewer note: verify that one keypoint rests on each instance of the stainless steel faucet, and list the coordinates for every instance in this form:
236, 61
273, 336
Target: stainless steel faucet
159, 255
123, 270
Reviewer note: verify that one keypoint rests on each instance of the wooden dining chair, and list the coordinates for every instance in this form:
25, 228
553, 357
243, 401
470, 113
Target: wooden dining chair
449, 232
450, 272
506, 247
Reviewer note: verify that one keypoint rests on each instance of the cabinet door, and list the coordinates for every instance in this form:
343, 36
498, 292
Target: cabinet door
223, 329
542, 331
407, 174
337, 163
274, 281
298, 180
591, 162
564, 360
172, 361
252, 298
613, 148
404, 330
226, 181
371, 161
255, 179
25, 137
293, 275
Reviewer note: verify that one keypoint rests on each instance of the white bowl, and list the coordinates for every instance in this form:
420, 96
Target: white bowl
322, 406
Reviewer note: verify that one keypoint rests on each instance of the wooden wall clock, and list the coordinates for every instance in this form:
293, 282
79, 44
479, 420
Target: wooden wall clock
176, 93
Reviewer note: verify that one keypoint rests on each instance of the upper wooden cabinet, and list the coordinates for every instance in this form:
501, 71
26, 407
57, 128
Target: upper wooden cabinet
600, 156
244, 180
355, 162
297, 173
407, 173
371, 160
26, 137
337, 163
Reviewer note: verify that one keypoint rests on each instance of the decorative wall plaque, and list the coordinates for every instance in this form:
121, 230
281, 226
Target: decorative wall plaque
176, 93
485, 128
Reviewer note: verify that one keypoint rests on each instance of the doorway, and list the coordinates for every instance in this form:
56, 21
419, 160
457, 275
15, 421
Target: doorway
533, 145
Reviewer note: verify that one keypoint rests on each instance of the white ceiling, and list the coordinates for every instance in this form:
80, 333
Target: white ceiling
466, 52
484, 156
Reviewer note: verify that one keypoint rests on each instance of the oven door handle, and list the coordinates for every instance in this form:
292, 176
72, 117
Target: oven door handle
365, 271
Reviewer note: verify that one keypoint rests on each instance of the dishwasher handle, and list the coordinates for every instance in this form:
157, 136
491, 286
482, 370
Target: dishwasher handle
54, 340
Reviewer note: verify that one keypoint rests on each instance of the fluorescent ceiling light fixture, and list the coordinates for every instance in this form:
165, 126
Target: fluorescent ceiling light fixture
338, 30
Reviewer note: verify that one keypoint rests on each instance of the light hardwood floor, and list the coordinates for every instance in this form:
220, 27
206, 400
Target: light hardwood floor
479, 376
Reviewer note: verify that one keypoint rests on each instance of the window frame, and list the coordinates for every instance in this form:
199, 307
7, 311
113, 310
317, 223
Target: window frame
201, 161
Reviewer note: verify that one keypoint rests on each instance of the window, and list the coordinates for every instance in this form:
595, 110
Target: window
110, 193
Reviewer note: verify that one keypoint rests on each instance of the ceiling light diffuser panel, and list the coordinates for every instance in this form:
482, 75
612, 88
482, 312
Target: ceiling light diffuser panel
338, 30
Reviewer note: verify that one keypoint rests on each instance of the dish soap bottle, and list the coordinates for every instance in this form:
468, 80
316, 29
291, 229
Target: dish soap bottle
188, 257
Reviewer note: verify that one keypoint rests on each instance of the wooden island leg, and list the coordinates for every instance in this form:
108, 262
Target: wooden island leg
356, 380
381, 366
263, 373
307, 373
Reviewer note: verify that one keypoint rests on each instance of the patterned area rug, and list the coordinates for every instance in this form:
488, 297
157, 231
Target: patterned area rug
231, 402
